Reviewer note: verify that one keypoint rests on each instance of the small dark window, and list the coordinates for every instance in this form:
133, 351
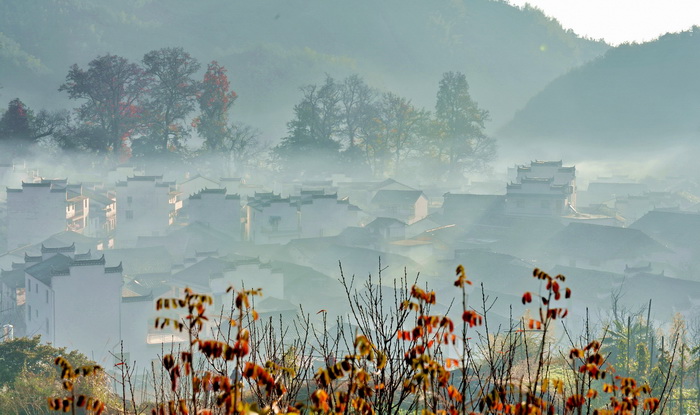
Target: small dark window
129, 214
129, 199
275, 222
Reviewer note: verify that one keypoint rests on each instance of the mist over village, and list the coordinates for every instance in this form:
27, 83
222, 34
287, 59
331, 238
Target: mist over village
307, 206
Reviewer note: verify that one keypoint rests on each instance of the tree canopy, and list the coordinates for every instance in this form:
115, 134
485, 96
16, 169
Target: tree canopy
171, 96
111, 88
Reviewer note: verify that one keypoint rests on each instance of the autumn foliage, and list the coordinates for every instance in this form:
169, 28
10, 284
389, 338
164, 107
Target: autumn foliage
438, 372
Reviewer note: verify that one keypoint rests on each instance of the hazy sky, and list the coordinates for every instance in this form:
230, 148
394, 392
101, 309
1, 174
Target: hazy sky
619, 21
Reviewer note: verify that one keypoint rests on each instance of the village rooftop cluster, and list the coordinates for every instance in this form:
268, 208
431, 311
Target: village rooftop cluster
85, 261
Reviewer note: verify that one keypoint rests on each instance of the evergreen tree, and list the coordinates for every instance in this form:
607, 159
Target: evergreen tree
20, 127
459, 138
310, 146
14, 124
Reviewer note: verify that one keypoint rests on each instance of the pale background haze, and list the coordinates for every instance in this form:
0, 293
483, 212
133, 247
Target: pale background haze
619, 21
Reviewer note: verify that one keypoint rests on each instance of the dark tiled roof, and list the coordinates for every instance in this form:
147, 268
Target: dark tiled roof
86, 255
469, 208
393, 197
384, 222
672, 227
114, 270
47, 250
28, 258
98, 197
200, 272
144, 178
89, 262
199, 194
262, 200
579, 240
44, 270
39, 184
13, 278
392, 182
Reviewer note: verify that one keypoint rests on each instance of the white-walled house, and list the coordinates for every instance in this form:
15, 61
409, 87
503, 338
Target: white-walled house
143, 342
12, 297
408, 206
212, 275
216, 209
146, 206
324, 214
270, 218
194, 185
544, 188
102, 218
73, 301
11, 174
77, 208
39, 210
122, 172
389, 229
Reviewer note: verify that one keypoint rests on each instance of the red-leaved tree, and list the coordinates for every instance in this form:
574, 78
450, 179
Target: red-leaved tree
111, 88
215, 100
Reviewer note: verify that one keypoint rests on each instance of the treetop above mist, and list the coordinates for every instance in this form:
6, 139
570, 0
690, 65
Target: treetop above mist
272, 47
151, 109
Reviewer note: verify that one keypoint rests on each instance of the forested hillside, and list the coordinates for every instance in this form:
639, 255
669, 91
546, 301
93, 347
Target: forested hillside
635, 96
272, 47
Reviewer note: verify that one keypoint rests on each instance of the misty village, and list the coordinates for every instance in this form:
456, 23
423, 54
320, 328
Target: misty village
325, 207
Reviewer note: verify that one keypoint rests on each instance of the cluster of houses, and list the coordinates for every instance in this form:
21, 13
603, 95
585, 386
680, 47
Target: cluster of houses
116, 245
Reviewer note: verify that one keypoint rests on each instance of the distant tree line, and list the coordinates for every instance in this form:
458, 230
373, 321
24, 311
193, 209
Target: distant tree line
137, 110
352, 124
151, 108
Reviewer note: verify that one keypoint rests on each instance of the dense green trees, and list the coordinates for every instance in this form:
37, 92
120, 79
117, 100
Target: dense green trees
150, 109
215, 99
110, 88
28, 376
312, 142
459, 138
353, 124
171, 97
20, 127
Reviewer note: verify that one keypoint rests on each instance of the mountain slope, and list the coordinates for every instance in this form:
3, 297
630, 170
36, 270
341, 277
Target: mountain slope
272, 47
635, 96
